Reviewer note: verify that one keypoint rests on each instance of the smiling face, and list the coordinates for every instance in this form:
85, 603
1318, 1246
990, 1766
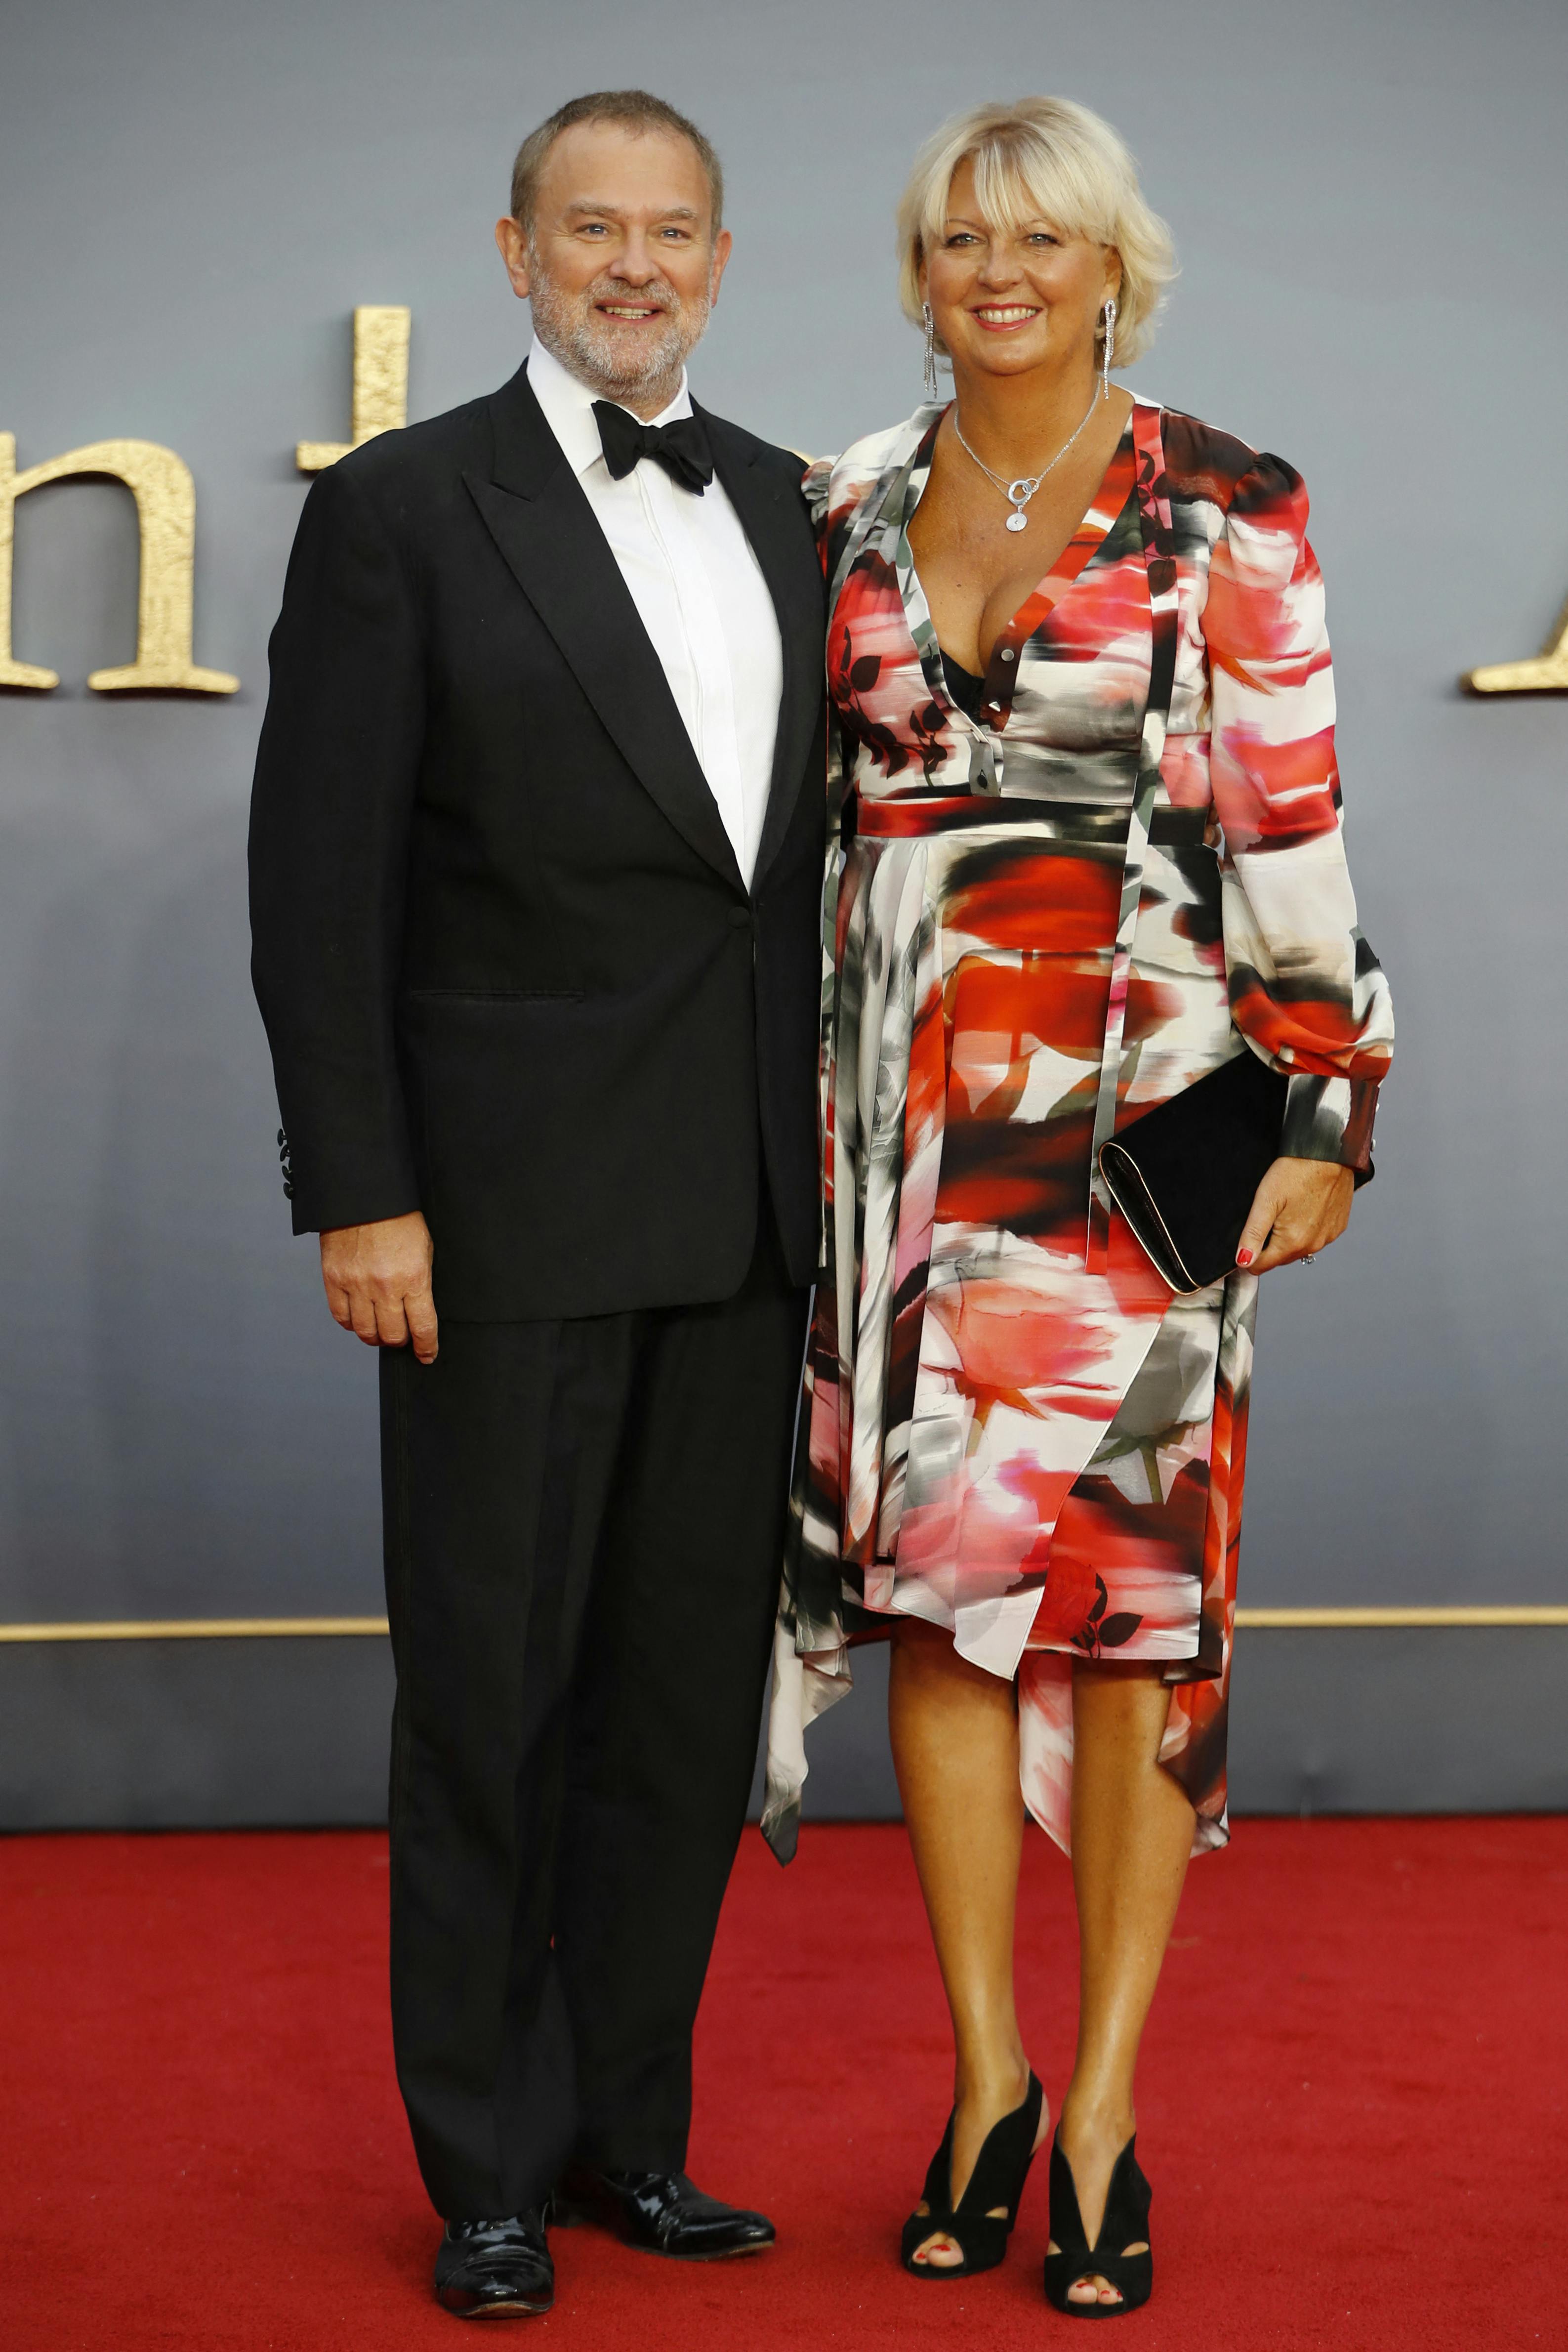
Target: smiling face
621, 262
1008, 299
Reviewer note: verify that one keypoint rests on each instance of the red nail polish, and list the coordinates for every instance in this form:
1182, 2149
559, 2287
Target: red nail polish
1244, 1257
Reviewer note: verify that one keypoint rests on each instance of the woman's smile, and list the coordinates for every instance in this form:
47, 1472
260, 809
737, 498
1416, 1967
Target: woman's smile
1001, 317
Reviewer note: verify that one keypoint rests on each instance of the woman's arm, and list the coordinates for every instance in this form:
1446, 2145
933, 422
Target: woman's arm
815, 487
1306, 989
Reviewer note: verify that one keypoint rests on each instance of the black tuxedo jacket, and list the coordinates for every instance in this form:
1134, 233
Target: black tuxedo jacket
509, 970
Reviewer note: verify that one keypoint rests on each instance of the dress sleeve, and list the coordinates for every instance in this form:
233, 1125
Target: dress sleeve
816, 487
1306, 990
816, 484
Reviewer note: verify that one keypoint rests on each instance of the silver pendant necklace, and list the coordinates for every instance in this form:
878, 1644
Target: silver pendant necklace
1019, 493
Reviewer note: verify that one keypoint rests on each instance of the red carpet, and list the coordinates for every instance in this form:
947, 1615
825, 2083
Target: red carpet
1351, 2107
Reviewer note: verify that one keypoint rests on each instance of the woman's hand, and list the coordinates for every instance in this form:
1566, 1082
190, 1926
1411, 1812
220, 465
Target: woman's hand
1300, 1206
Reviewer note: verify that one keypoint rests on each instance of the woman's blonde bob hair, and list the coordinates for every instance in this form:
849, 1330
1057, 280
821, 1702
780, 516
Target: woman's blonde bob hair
1043, 159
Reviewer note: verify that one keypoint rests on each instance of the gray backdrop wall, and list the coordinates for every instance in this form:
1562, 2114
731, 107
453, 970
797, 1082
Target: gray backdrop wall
1370, 204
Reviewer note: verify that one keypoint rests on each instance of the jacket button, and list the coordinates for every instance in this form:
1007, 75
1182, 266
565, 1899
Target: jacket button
740, 918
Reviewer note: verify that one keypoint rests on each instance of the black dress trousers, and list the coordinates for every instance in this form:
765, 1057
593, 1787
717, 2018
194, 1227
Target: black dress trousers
583, 1531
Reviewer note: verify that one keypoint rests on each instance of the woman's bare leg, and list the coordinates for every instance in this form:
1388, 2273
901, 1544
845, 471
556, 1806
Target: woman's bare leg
1132, 1836
954, 1745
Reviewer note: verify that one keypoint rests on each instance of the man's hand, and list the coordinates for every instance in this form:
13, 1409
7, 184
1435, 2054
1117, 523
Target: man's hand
1300, 1206
377, 1280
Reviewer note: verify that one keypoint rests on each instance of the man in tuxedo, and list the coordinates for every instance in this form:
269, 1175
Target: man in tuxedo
536, 860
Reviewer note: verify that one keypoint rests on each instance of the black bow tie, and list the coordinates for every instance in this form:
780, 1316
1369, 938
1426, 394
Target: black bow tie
682, 447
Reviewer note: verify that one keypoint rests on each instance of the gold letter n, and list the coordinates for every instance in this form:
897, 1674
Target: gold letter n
166, 515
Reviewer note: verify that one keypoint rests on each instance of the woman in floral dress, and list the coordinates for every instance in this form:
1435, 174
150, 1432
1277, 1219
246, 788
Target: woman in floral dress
1084, 847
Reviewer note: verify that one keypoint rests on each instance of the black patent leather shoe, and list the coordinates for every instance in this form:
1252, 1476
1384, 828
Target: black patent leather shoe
496, 2270
663, 2213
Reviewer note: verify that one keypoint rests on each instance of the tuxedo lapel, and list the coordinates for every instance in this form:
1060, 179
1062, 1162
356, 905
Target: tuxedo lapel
774, 519
534, 507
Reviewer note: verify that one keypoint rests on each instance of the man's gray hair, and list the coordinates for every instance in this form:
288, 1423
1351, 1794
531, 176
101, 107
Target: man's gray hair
639, 110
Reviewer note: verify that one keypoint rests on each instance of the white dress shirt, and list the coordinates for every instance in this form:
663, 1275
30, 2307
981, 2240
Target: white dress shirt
701, 595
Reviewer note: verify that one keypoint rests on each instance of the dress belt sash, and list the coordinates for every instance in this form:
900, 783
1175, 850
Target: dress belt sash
908, 816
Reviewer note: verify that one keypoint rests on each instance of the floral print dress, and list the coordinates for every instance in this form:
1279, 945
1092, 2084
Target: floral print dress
1041, 921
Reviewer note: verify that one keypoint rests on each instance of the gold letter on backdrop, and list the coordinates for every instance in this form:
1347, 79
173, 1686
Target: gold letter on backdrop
167, 515
1546, 674
381, 385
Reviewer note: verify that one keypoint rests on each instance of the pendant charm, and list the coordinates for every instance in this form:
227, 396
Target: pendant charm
1018, 521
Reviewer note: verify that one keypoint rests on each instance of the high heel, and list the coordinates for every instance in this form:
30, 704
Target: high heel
981, 2221
1126, 2222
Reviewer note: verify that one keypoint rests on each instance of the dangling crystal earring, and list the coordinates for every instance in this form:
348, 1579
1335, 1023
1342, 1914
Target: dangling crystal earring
1109, 348
931, 385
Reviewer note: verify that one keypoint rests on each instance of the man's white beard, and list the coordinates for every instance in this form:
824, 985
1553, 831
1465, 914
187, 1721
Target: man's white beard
571, 331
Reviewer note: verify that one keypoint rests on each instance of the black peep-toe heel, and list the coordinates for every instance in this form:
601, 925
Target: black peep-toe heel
1125, 2224
981, 2221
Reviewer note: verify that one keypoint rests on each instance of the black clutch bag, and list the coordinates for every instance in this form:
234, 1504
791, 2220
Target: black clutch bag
1184, 1175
